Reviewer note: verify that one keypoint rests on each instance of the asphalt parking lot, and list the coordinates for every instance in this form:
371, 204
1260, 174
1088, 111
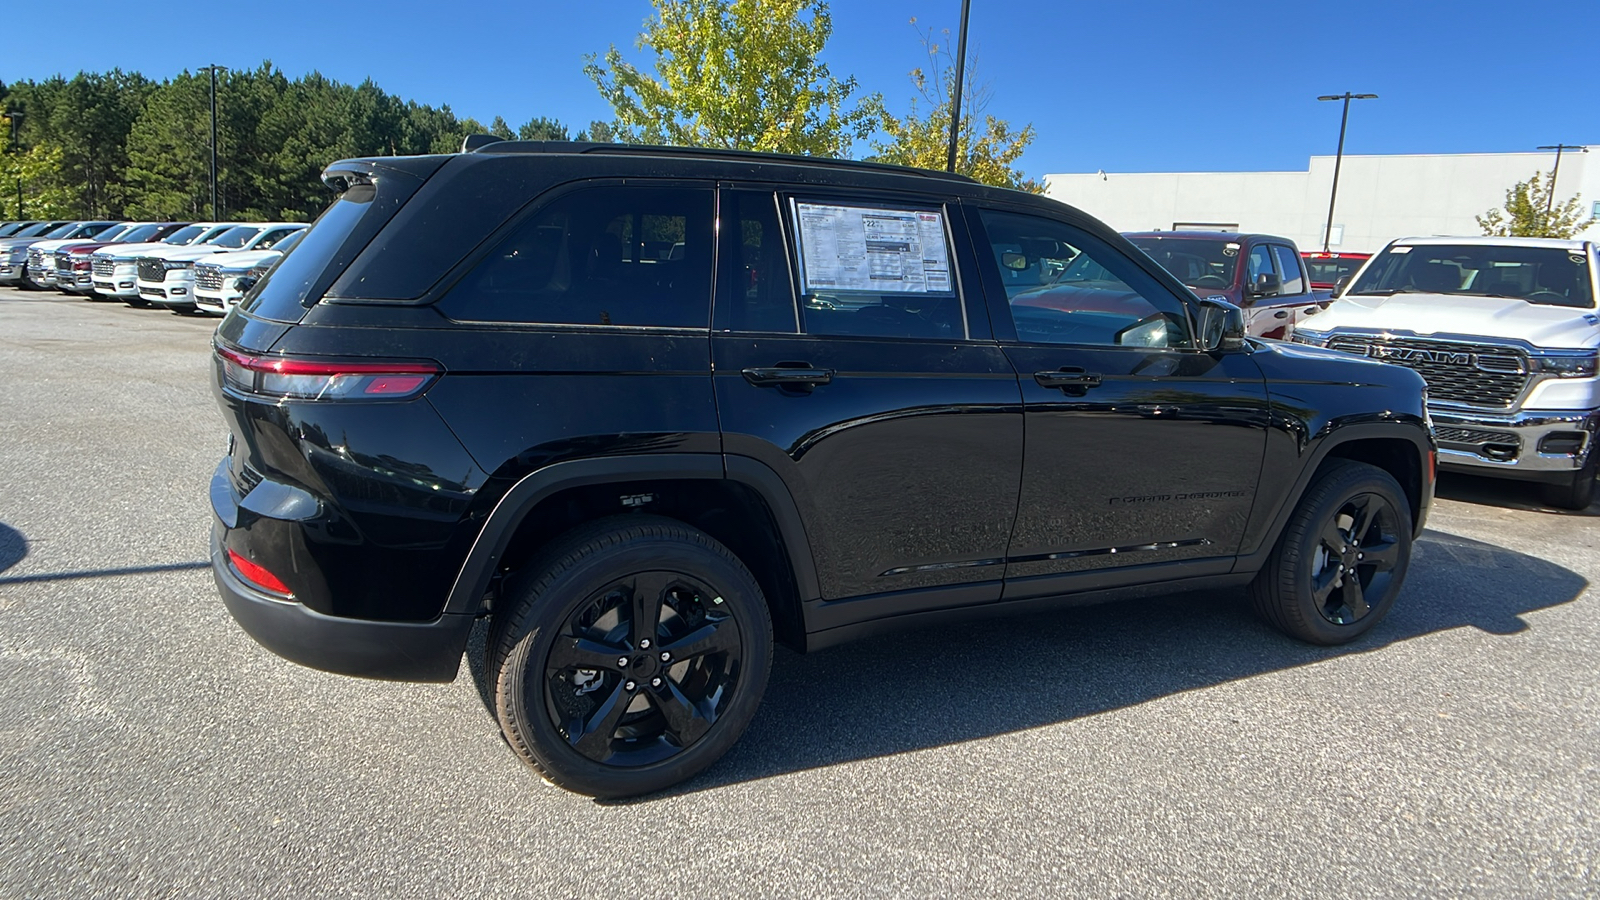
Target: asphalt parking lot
1174, 747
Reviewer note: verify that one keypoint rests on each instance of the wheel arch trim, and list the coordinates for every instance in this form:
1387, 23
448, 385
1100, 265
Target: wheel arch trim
513, 508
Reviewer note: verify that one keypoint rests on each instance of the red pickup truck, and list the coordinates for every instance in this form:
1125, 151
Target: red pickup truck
1272, 284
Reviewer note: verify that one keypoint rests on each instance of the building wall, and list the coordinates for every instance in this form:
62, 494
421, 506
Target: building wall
1380, 197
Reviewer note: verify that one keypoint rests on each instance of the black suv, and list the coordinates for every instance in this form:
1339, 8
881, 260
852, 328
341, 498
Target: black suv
649, 410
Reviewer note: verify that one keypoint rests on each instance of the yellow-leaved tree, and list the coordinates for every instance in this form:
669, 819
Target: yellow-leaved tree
987, 147
734, 74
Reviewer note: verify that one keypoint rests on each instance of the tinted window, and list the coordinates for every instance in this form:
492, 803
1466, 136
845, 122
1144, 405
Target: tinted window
140, 233
878, 271
1067, 287
235, 237
272, 238
754, 288
1328, 270
1289, 265
185, 234
599, 256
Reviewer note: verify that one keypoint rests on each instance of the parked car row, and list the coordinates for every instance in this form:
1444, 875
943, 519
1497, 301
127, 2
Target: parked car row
145, 263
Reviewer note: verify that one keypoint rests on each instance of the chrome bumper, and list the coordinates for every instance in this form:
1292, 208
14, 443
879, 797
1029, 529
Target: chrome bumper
1512, 445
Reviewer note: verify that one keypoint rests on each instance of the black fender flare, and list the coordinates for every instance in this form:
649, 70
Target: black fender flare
473, 581
1335, 436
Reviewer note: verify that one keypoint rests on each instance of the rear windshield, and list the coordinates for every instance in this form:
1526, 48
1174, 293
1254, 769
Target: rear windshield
1196, 263
297, 282
1546, 276
1329, 271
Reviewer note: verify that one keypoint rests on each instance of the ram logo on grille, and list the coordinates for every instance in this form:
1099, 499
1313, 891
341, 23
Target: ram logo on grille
1409, 355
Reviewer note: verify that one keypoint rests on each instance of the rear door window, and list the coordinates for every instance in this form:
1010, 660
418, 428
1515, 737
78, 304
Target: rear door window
876, 270
605, 256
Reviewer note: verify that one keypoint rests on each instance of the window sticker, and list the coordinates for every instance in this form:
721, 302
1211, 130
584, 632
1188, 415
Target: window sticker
872, 250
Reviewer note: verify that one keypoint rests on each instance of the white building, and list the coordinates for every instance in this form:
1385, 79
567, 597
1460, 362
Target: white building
1380, 197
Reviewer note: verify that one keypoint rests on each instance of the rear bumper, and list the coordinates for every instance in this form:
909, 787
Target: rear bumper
1518, 445
396, 651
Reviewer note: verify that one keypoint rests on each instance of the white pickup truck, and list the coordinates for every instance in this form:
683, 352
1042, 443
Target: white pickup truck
1505, 332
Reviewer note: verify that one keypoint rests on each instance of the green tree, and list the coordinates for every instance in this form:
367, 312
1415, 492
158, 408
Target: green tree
1524, 213
599, 132
734, 74
45, 194
922, 137
543, 129
168, 175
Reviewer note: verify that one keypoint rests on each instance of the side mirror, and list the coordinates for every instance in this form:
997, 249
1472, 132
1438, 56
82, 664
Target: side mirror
1266, 285
246, 282
1340, 285
1221, 326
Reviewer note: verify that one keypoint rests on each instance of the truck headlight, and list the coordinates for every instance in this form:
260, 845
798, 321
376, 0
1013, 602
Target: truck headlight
1569, 365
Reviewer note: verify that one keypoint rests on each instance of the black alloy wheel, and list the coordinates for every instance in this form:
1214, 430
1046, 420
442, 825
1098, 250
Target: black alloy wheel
632, 656
1342, 558
1356, 555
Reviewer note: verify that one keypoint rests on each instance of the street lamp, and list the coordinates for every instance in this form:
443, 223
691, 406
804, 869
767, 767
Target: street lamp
1550, 198
955, 101
216, 213
1327, 233
15, 115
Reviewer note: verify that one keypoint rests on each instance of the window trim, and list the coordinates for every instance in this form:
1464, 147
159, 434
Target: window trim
725, 241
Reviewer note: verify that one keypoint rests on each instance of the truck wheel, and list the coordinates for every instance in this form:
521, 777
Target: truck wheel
631, 656
1578, 491
1342, 558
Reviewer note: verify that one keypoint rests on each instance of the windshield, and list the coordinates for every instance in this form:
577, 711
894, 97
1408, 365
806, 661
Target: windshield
9, 230
115, 232
1197, 263
1547, 276
61, 231
138, 233
184, 235
235, 237
38, 230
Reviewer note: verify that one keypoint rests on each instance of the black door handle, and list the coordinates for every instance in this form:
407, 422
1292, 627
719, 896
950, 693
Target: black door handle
769, 375
1281, 314
1067, 378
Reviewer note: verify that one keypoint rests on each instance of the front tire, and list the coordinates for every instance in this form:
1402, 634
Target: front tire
1342, 558
1577, 493
631, 656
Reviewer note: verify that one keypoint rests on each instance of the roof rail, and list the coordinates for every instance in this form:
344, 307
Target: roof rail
499, 146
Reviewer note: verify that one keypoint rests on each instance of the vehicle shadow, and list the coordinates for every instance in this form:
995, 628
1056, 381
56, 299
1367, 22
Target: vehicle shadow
1501, 492
13, 546
928, 688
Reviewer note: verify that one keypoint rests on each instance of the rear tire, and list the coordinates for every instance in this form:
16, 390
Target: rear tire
630, 657
1342, 557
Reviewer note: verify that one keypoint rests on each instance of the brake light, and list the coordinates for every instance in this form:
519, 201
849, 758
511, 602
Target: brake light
285, 378
257, 575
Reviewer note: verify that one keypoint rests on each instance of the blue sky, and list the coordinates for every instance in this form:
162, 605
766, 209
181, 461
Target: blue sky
1120, 86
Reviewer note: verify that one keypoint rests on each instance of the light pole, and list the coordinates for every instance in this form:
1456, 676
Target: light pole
15, 115
955, 101
1550, 198
216, 212
1327, 233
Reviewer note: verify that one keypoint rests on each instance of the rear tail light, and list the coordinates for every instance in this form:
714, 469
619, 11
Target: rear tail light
258, 576
285, 378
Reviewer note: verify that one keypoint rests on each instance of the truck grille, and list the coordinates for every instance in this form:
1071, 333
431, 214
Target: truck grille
63, 264
208, 278
1474, 436
104, 268
36, 260
152, 270
1483, 375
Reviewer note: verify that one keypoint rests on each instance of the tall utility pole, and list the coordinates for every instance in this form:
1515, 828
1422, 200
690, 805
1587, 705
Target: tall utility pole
955, 101
15, 115
216, 211
1327, 233
1550, 198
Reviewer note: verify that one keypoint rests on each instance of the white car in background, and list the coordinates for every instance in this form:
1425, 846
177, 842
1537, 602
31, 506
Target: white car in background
220, 281
166, 277
115, 269
41, 268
